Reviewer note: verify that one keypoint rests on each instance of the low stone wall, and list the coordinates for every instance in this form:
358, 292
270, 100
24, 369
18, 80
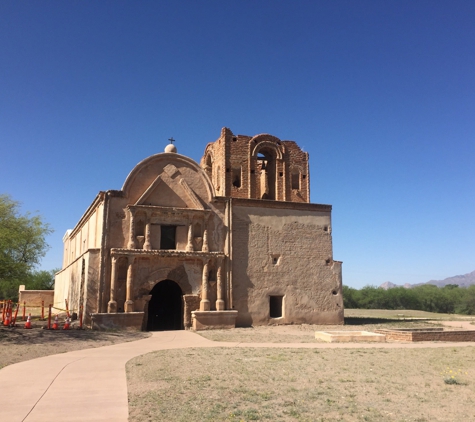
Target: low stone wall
34, 297
428, 335
119, 321
213, 320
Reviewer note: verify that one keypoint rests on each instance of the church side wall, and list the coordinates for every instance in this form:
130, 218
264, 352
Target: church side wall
79, 283
285, 254
81, 262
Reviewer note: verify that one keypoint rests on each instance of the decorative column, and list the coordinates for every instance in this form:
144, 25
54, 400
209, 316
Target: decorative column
129, 304
189, 245
219, 287
205, 247
204, 304
112, 305
147, 244
131, 244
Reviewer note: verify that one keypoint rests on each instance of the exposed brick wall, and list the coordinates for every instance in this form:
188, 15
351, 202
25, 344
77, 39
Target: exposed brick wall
433, 335
230, 153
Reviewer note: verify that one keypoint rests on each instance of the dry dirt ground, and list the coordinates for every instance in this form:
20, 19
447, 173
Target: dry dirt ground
246, 384
234, 384
304, 333
18, 344
304, 384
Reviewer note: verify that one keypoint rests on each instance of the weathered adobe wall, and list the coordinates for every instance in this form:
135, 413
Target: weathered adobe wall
79, 289
305, 273
428, 335
35, 297
87, 234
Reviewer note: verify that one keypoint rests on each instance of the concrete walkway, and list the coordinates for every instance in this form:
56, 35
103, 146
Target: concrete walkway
90, 385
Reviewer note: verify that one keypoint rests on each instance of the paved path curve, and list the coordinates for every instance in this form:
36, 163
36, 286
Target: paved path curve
90, 385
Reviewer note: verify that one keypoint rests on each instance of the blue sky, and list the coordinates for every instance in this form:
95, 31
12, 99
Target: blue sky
380, 93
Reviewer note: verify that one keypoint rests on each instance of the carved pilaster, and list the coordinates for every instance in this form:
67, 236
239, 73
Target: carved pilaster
112, 305
129, 304
205, 247
131, 244
220, 305
204, 304
147, 244
189, 245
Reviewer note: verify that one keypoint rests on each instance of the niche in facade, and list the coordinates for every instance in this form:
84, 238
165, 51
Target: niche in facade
197, 236
266, 169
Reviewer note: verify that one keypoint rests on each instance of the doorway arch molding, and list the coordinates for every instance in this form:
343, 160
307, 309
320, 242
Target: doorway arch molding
169, 273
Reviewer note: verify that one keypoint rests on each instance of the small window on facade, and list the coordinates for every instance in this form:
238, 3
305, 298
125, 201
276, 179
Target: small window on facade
275, 306
295, 181
237, 177
168, 237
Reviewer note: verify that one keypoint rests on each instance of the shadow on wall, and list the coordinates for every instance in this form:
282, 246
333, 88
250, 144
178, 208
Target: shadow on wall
241, 282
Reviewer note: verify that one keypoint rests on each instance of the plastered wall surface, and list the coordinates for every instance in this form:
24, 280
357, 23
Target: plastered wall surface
284, 253
35, 297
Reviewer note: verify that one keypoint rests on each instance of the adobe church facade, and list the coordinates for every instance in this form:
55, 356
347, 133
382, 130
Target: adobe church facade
232, 241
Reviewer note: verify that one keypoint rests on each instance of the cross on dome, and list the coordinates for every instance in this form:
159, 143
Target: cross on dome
170, 147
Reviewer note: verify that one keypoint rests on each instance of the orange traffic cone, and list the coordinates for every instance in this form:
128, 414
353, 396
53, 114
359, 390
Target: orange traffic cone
7, 320
66, 324
56, 323
28, 322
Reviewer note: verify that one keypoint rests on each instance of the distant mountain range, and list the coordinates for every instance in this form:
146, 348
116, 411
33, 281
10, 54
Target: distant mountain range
460, 280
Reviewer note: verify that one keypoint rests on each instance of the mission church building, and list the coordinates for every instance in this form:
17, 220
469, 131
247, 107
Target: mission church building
232, 241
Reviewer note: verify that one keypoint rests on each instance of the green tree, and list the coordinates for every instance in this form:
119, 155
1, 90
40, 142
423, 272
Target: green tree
41, 280
22, 245
467, 301
350, 299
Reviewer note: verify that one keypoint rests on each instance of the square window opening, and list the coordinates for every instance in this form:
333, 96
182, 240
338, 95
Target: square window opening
168, 237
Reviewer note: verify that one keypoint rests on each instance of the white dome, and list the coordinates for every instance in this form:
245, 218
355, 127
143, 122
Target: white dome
170, 148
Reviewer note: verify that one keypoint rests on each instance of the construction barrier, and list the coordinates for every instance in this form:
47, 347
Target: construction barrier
10, 310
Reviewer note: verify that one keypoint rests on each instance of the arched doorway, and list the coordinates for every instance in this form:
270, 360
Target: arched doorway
165, 307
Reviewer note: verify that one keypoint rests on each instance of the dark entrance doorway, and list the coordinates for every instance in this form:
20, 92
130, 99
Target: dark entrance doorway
165, 307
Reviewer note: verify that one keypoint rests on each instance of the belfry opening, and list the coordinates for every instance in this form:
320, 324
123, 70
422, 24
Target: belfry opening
165, 309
